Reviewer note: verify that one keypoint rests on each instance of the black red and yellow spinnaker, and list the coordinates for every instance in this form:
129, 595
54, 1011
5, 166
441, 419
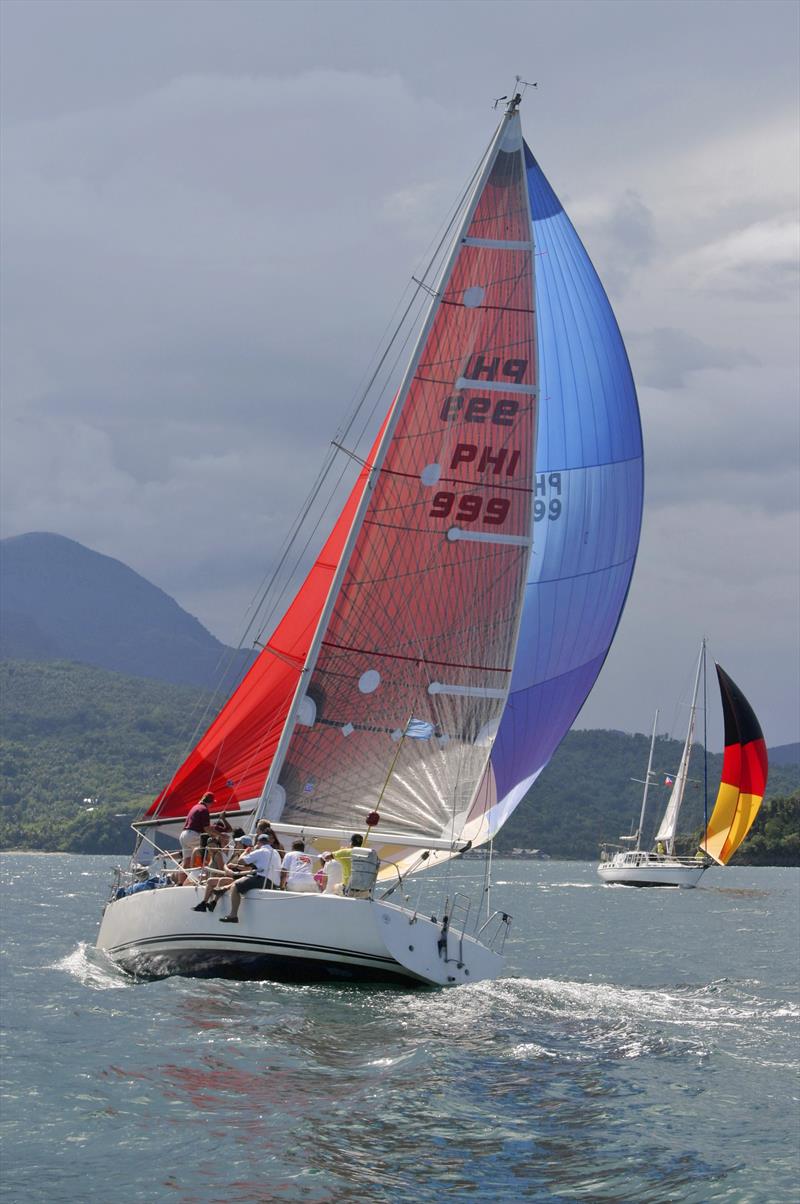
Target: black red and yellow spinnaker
744, 775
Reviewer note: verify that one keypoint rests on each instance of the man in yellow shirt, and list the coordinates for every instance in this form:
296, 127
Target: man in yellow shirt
344, 857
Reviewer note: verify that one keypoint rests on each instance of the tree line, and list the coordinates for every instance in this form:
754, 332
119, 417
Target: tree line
83, 752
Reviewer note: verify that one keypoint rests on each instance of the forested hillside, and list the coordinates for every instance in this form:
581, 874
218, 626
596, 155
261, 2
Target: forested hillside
62, 601
83, 751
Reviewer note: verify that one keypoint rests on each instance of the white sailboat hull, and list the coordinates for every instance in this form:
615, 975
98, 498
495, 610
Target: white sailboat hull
650, 869
284, 935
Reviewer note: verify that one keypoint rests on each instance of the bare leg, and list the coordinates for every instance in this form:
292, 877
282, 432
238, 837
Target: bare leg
216, 884
236, 899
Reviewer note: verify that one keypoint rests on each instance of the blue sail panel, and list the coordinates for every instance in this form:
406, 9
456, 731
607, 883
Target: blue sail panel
588, 503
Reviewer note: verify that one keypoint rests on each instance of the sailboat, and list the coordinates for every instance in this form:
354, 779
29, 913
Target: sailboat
448, 632
741, 790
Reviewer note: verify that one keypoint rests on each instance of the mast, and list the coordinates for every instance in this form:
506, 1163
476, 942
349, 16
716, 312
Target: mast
510, 116
705, 738
669, 823
647, 779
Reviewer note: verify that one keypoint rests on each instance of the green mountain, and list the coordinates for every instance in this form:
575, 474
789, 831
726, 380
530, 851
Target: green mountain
61, 601
785, 754
84, 750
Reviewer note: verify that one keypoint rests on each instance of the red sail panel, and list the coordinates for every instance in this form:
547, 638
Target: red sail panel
233, 757
425, 622
744, 774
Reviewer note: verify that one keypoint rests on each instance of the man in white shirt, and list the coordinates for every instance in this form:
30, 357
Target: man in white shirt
332, 873
297, 871
217, 884
266, 873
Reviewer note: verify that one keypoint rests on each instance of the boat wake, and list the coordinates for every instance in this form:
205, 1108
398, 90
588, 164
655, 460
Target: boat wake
548, 886
553, 1020
92, 968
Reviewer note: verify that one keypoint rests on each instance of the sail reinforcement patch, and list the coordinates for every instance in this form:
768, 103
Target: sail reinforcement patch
368, 682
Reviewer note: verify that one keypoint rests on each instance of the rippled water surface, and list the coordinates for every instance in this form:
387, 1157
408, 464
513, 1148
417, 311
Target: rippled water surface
640, 1048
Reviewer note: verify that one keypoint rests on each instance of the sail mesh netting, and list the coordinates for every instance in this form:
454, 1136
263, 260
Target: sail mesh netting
422, 635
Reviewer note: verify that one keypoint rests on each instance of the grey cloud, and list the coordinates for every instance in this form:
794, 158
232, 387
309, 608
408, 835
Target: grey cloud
663, 358
631, 240
211, 209
622, 240
166, 297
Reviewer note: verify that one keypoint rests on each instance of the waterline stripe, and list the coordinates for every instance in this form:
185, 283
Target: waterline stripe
229, 939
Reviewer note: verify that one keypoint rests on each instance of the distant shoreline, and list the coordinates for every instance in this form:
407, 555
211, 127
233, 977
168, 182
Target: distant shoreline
552, 859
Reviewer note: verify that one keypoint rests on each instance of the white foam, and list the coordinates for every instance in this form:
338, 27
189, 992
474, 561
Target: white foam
93, 969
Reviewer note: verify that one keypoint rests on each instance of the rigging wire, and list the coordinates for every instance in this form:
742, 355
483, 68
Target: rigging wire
345, 428
293, 546
261, 610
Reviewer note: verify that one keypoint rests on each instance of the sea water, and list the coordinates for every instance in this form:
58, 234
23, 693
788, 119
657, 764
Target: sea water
640, 1047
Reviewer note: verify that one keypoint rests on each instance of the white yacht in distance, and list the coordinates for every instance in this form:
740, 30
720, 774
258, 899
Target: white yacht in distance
744, 779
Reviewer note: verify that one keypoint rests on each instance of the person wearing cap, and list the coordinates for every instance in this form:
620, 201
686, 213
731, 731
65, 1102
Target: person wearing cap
264, 875
330, 877
220, 842
216, 848
197, 824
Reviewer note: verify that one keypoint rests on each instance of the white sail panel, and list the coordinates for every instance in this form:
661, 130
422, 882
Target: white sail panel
669, 824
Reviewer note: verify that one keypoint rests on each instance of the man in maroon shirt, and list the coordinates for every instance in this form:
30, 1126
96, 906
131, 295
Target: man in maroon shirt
198, 821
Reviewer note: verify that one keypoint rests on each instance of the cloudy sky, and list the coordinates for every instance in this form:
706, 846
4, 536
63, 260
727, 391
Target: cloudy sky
211, 208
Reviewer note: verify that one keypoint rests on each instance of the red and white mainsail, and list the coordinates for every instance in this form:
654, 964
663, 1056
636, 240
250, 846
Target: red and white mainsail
397, 652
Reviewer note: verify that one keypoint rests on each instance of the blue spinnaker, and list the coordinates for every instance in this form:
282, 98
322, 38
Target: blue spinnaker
589, 503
